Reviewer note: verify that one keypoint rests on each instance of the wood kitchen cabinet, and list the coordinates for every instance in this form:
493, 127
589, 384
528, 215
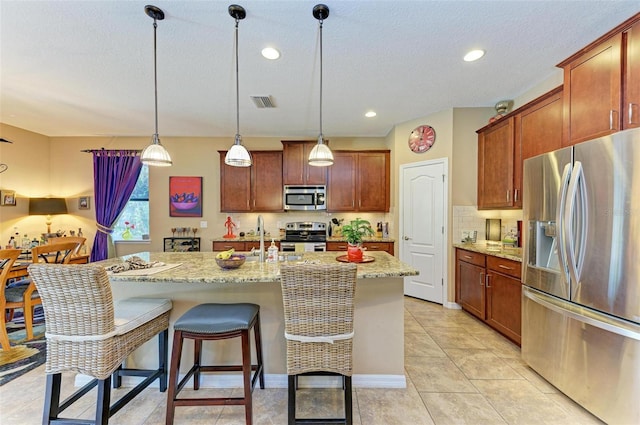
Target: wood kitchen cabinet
359, 181
531, 130
631, 82
256, 188
538, 126
295, 164
489, 288
470, 281
503, 297
241, 246
496, 164
370, 246
601, 94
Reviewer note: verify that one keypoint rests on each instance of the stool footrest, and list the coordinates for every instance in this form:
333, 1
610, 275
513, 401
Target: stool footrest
229, 401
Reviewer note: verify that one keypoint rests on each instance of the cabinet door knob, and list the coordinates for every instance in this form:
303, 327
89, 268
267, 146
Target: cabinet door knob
482, 279
611, 120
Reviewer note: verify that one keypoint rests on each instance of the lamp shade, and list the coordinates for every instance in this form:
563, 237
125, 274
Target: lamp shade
155, 154
321, 155
47, 206
238, 155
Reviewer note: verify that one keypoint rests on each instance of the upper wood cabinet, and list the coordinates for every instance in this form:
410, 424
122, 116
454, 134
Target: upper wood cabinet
255, 188
359, 181
631, 82
295, 165
600, 92
530, 130
496, 147
539, 124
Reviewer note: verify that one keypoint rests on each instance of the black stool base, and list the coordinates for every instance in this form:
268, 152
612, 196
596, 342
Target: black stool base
348, 402
104, 409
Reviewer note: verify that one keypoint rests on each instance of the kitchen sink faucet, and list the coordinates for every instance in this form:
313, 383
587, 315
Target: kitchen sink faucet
261, 233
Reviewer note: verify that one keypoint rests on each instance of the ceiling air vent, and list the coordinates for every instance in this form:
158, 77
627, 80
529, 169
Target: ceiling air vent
263, 101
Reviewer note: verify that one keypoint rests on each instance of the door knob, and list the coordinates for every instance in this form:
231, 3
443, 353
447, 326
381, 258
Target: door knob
406, 238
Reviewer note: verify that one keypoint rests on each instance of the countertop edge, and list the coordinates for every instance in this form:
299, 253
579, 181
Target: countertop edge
514, 254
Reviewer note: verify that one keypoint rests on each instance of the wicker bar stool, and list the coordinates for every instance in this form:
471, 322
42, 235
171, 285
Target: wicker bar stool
211, 322
86, 333
318, 327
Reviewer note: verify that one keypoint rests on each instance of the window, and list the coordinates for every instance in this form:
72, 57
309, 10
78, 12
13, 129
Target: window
135, 215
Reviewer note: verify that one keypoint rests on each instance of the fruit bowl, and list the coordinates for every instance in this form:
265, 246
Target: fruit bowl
233, 262
184, 205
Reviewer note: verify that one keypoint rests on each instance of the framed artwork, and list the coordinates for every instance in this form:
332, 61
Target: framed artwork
83, 203
8, 197
185, 196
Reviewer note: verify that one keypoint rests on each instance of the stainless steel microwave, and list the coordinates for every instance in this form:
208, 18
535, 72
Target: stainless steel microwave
305, 198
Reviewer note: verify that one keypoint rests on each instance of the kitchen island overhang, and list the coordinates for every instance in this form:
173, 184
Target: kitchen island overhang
379, 312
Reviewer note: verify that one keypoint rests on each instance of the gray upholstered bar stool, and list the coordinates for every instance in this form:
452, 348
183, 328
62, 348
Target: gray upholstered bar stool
210, 322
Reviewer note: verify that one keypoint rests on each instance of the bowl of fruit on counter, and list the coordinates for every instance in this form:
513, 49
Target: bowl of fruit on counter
229, 259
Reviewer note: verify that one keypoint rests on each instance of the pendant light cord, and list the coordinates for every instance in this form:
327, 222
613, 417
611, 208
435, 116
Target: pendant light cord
155, 76
321, 136
237, 86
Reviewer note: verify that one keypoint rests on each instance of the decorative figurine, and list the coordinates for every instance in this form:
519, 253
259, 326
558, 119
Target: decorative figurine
229, 225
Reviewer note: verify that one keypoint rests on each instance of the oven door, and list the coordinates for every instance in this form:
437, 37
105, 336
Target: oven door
303, 246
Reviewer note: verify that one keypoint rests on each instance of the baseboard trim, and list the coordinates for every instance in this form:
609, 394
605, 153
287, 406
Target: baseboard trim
452, 305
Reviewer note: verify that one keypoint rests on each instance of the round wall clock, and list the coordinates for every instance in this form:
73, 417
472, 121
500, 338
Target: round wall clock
422, 138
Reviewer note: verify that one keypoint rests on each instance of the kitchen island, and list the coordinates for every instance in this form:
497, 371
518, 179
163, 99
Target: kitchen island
379, 310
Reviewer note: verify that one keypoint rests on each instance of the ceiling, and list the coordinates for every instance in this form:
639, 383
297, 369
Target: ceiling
85, 68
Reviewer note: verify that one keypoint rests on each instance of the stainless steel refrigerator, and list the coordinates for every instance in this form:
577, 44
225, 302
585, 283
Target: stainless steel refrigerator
581, 273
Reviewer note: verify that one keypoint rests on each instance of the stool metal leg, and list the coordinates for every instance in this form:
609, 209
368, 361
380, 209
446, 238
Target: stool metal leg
52, 398
163, 358
258, 340
291, 411
104, 400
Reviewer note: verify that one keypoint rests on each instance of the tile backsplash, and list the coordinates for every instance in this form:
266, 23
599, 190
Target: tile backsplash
469, 218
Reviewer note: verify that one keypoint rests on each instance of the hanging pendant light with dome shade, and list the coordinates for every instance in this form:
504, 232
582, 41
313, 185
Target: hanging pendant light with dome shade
321, 155
238, 155
155, 154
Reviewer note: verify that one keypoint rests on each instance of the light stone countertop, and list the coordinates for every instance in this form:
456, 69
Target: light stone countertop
514, 254
201, 267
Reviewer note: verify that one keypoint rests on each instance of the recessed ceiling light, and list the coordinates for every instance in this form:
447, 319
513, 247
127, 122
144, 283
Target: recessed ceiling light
270, 53
370, 114
473, 55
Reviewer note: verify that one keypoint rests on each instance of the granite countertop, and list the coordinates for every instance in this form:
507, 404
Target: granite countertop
201, 267
509, 253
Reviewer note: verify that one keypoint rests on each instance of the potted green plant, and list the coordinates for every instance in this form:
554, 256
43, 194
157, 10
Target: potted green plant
354, 232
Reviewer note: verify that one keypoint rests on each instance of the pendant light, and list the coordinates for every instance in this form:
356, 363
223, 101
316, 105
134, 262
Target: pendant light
155, 154
238, 155
320, 155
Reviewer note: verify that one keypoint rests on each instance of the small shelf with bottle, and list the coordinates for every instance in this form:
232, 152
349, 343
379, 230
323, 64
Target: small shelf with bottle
185, 244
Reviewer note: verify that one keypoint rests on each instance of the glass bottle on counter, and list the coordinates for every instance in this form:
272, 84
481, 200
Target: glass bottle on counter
272, 253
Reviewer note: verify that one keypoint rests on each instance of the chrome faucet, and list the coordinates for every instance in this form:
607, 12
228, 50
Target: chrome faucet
261, 233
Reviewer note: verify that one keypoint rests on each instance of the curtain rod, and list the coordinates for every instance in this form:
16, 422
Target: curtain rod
110, 150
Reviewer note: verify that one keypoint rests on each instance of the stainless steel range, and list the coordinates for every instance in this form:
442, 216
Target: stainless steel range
308, 236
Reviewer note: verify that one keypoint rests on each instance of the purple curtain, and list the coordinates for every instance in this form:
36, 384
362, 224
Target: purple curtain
115, 173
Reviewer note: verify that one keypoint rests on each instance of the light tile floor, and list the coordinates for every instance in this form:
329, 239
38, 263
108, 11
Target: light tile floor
459, 371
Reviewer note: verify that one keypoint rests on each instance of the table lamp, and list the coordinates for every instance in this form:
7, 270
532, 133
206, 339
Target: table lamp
48, 207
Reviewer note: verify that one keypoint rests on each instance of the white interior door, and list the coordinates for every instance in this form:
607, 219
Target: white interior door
423, 227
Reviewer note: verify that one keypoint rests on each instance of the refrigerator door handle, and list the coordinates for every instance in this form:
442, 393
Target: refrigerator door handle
575, 224
583, 315
561, 205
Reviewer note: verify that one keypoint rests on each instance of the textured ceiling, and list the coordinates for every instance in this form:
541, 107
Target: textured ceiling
85, 68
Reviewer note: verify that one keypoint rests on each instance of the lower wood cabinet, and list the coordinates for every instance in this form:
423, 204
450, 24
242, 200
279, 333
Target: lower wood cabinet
370, 246
489, 288
241, 245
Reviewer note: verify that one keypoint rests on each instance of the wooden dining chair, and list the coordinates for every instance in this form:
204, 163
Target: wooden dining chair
77, 239
7, 258
23, 294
